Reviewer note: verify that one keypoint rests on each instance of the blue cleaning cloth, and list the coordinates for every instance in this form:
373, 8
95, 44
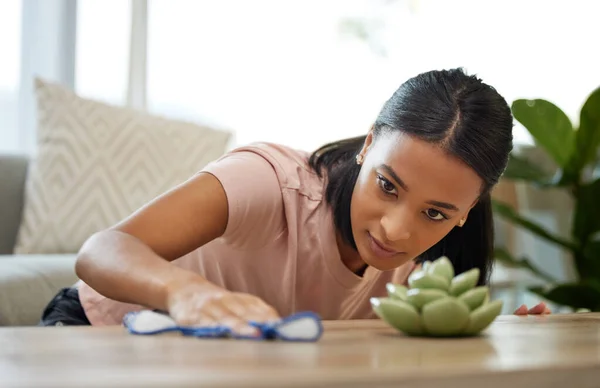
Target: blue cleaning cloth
303, 327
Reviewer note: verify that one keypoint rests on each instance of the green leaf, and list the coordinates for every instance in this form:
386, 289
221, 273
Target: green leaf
576, 295
503, 256
549, 126
588, 134
519, 168
592, 248
588, 262
566, 176
507, 212
587, 211
587, 141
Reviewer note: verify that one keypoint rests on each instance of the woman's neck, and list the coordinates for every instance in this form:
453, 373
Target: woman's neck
350, 256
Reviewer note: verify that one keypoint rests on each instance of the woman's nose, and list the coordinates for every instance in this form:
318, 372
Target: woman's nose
397, 225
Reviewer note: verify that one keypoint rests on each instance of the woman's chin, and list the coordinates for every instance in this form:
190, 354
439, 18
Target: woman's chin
385, 263
372, 255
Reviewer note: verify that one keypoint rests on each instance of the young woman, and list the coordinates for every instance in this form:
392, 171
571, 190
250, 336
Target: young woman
267, 230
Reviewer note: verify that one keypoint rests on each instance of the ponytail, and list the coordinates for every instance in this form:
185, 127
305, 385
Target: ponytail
469, 246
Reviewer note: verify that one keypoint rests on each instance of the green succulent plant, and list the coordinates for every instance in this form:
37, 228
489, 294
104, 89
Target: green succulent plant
438, 303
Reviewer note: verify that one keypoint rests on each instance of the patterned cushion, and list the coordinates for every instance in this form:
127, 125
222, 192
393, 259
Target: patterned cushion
95, 164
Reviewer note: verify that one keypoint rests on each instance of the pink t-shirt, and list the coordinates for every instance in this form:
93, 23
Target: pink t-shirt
279, 243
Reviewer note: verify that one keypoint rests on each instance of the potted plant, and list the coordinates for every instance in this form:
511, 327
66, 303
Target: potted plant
575, 152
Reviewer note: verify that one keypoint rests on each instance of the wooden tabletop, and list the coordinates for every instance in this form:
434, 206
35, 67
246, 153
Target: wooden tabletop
560, 350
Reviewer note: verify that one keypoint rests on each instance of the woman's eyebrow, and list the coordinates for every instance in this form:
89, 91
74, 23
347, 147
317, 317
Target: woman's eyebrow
394, 176
401, 183
444, 205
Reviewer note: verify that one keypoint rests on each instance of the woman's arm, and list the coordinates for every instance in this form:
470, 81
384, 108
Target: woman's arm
130, 262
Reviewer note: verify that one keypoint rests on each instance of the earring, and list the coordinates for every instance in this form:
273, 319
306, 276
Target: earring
462, 222
359, 159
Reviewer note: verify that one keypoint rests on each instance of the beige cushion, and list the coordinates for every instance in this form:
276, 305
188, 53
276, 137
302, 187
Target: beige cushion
96, 164
29, 282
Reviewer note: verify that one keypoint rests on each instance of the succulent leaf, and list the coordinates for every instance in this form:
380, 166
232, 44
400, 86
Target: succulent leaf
420, 279
418, 297
464, 282
426, 265
475, 297
483, 316
398, 314
445, 317
396, 291
442, 267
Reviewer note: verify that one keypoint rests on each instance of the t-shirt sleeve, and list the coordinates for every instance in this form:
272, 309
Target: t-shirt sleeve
254, 196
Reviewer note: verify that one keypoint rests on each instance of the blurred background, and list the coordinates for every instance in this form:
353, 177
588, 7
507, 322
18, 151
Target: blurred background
307, 72
297, 72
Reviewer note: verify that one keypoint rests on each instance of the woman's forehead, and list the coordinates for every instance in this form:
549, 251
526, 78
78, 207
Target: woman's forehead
426, 168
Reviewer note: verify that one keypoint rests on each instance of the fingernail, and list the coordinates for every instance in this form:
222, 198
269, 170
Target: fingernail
522, 310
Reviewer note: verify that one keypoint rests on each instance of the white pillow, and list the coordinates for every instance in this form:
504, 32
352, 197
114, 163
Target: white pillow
95, 164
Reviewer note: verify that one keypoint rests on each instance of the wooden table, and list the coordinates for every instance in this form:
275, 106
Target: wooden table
548, 351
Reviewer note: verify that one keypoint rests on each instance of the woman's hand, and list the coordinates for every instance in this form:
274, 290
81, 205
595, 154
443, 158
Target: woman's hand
539, 309
204, 304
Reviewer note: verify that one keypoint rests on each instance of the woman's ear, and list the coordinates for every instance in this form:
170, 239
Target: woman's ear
463, 219
367, 144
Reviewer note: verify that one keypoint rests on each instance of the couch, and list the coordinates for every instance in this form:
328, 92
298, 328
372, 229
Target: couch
93, 165
27, 282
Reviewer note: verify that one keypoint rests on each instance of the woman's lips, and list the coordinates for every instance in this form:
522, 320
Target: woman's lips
379, 249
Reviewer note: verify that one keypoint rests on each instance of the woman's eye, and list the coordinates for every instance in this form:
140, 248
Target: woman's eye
385, 185
435, 215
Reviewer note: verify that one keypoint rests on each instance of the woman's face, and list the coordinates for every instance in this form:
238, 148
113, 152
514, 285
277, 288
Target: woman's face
408, 196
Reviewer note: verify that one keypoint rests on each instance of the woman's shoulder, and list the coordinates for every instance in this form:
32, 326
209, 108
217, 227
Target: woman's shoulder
265, 184
288, 163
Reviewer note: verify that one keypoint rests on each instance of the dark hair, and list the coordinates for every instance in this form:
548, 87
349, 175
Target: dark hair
466, 117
